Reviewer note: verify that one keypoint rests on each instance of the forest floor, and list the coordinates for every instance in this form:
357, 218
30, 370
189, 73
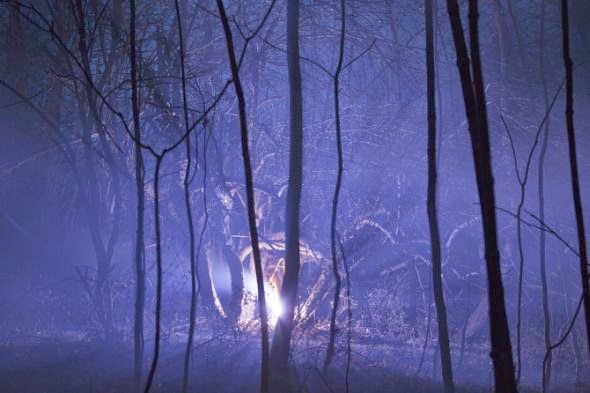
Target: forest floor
218, 365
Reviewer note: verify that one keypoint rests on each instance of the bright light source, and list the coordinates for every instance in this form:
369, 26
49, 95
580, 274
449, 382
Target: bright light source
274, 304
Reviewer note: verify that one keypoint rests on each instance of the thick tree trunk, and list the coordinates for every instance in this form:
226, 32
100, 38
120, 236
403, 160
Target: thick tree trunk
281, 344
441, 312
475, 107
571, 138
264, 374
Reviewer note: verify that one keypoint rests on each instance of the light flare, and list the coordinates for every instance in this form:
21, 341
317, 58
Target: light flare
274, 304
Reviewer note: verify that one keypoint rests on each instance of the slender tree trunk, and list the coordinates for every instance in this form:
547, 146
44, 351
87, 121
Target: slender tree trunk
441, 312
349, 315
158, 310
139, 234
264, 374
187, 202
281, 344
541, 194
520, 279
475, 107
571, 138
199, 278
333, 229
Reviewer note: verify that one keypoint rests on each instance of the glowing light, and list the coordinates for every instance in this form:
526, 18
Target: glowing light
274, 304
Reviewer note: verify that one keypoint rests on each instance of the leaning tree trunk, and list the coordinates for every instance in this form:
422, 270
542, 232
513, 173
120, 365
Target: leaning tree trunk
139, 256
264, 373
281, 344
571, 138
475, 108
441, 312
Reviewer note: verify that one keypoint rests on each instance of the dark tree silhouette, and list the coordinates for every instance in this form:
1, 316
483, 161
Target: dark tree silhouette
235, 70
471, 77
95, 95
541, 194
103, 115
333, 229
139, 253
573, 160
281, 343
522, 179
435, 249
158, 305
187, 201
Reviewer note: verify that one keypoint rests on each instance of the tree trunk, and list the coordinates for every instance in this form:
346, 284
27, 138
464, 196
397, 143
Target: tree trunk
158, 311
441, 312
475, 107
139, 254
281, 344
187, 202
335, 272
264, 374
541, 192
571, 138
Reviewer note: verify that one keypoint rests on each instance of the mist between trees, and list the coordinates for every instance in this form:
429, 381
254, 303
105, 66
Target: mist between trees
294, 196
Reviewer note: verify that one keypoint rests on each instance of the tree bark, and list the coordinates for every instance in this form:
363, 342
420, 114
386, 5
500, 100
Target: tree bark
571, 138
139, 254
264, 374
187, 202
541, 194
475, 107
340, 170
281, 344
158, 311
435, 248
